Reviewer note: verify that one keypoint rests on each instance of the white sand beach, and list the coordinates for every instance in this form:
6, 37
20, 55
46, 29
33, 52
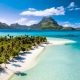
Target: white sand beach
57, 41
28, 60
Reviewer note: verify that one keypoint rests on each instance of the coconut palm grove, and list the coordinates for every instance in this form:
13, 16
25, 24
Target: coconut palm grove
11, 46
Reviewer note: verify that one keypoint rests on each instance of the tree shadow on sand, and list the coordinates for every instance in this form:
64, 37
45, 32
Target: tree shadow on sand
20, 74
2, 70
16, 65
25, 52
20, 58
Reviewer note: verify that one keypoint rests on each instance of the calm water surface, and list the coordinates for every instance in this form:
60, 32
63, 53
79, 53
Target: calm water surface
56, 62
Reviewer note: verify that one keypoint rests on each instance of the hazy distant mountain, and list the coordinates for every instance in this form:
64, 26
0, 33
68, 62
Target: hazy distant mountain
77, 28
18, 26
68, 28
3, 26
47, 23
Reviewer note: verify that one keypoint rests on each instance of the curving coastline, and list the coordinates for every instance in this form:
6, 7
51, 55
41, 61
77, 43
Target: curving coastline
59, 41
30, 59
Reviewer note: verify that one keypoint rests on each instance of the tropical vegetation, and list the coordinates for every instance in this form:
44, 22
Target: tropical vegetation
11, 46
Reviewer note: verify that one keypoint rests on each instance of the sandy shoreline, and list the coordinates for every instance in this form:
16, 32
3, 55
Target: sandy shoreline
60, 42
28, 60
27, 63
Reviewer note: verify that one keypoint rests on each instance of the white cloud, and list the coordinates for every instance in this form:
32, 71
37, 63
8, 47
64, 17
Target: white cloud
26, 21
77, 8
3, 20
77, 24
47, 12
31, 22
72, 6
31, 9
21, 20
69, 24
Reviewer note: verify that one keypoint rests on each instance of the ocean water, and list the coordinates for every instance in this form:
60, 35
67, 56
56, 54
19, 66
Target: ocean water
56, 62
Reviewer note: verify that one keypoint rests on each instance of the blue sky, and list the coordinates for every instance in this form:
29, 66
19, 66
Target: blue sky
28, 12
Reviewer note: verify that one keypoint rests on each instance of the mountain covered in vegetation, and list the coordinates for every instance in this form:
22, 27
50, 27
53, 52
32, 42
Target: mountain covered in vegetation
47, 23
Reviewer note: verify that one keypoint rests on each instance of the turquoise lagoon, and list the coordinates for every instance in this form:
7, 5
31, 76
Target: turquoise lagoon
55, 62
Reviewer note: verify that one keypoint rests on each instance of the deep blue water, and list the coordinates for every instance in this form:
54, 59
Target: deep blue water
73, 35
47, 33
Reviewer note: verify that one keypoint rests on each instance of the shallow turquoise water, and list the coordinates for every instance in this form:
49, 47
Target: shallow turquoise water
56, 62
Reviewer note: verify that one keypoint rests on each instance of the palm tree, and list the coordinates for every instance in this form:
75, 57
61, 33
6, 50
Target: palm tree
10, 46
